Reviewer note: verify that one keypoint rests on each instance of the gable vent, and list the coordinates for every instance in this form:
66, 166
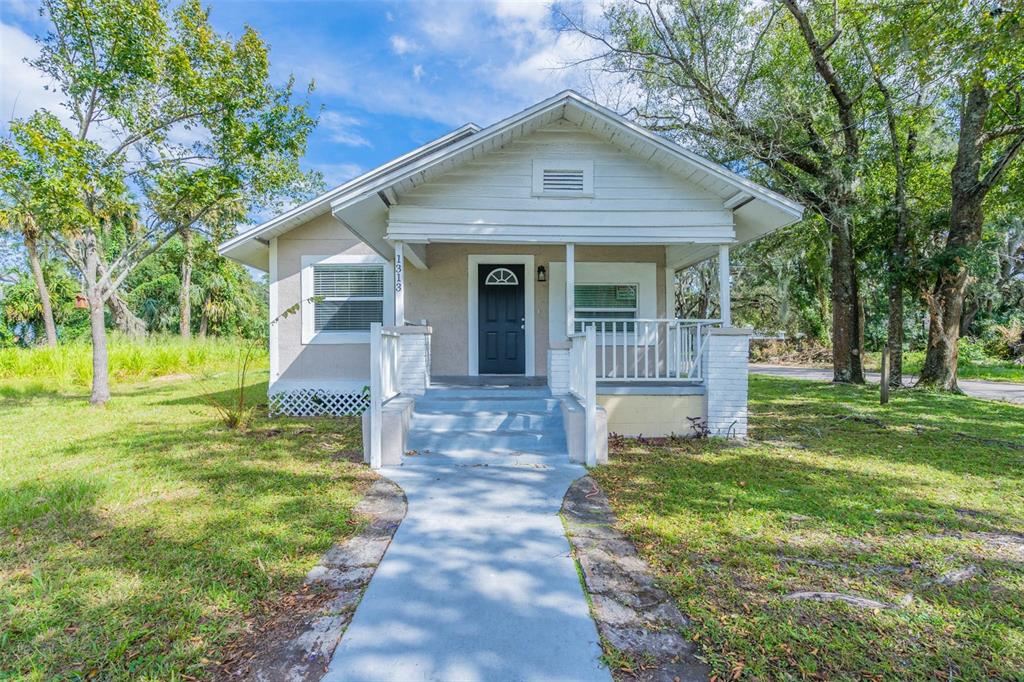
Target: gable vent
554, 177
563, 180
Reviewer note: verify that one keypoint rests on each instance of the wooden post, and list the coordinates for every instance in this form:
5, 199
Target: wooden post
590, 391
885, 374
724, 294
376, 389
570, 289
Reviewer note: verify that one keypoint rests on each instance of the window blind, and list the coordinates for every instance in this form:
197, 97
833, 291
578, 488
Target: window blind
606, 301
352, 297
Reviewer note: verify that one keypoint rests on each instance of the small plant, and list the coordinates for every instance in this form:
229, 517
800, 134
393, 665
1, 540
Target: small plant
236, 413
699, 427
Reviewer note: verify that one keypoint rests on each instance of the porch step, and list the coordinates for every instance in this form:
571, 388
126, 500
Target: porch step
488, 425
438, 419
486, 393
495, 442
435, 405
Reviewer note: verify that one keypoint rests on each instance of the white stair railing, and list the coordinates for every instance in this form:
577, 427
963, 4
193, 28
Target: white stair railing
649, 350
384, 382
583, 385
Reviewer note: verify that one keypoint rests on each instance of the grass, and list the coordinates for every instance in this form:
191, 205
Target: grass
138, 539
987, 370
70, 366
835, 493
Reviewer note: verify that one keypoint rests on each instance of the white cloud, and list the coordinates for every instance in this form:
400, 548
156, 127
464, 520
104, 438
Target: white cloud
22, 88
401, 45
337, 173
340, 128
485, 60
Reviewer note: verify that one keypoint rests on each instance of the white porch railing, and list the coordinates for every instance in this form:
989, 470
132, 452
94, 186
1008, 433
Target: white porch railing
384, 382
583, 385
648, 350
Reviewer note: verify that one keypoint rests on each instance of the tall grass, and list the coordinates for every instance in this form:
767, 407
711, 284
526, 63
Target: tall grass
130, 360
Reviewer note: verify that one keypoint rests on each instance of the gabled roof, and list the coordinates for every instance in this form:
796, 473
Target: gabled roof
251, 247
362, 203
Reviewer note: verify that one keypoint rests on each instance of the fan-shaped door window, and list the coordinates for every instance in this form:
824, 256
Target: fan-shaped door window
501, 277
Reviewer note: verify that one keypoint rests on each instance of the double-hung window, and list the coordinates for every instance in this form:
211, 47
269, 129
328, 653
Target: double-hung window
348, 295
611, 302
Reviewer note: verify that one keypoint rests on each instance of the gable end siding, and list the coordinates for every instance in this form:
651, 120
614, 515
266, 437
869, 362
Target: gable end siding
493, 198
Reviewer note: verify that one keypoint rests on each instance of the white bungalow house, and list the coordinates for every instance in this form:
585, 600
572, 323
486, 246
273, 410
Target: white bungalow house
538, 252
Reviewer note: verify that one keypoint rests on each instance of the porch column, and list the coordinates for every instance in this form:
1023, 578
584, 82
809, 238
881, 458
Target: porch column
723, 285
570, 289
399, 283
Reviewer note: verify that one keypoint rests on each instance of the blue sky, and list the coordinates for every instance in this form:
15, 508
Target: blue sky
390, 75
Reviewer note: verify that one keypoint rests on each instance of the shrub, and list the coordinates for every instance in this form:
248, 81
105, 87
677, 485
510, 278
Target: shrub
1006, 341
971, 350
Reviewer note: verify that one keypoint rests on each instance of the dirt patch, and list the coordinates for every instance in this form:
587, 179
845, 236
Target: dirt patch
642, 630
295, 642
171, 377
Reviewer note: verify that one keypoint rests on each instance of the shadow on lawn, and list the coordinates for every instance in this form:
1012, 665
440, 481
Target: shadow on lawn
146, 580
951, 433
736, 528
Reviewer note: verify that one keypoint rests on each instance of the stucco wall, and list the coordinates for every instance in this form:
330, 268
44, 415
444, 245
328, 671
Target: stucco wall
438, 294
441, 294
651, 415
322, 236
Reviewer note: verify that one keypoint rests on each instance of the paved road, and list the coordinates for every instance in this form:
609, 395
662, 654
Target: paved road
989, 390
478, 584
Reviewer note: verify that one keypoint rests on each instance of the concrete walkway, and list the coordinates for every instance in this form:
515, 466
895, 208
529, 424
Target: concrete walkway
478, 582
988, 390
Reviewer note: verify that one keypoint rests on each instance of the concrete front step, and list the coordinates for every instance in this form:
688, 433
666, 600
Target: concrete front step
433, 405
498, 442
485, 393
479, 424
450, 422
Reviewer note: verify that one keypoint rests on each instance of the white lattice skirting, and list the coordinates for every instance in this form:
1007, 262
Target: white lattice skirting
317, 402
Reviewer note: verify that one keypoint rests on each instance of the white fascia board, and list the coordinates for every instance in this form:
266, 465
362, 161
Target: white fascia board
718, 171
319, 204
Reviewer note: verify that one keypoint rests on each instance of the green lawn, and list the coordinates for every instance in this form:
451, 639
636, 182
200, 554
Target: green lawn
988, 370
137, 539
835, 493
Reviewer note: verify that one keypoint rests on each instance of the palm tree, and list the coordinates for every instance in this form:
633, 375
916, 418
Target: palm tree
21, 221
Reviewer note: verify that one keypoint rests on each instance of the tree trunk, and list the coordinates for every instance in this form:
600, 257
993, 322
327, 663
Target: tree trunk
185, 294
895, 333
897, 279
127, 322
847, 351
946, 299
44, 293
971, 311
204, 319
100, 371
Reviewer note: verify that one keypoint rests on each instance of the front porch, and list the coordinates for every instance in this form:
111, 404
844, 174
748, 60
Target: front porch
613, 368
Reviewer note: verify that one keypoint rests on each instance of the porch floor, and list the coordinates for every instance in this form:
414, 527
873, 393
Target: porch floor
490, 380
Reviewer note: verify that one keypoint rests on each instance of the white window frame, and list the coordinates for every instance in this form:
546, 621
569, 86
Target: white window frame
644, 274
307, 312
541, 165
635, 309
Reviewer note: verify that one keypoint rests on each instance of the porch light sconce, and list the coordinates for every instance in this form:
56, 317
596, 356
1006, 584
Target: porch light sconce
542, 273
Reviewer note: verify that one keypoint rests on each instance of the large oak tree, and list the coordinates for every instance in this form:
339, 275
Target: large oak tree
774, 87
